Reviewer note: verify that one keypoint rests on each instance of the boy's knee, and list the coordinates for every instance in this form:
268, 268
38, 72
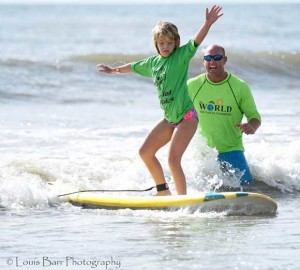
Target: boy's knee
173, 162
142, 152
145, 153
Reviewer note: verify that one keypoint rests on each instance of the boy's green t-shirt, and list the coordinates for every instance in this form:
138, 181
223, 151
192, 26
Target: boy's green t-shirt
170, 76
220, 106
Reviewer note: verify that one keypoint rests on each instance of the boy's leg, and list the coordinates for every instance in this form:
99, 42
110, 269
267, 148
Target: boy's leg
182, 136
159, 136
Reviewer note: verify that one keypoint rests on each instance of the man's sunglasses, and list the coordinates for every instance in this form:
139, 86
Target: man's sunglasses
216, 57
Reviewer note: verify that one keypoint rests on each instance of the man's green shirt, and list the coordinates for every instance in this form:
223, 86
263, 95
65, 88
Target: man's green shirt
220, 106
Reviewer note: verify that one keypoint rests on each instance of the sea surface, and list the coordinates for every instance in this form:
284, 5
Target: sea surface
65, 127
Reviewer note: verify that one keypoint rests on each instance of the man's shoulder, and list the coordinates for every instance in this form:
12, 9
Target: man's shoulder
196, 80
239, 86
236, 79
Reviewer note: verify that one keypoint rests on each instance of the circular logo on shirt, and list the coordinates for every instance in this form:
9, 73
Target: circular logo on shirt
210, 106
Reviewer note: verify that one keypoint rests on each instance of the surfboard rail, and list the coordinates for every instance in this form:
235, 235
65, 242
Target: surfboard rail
243, 202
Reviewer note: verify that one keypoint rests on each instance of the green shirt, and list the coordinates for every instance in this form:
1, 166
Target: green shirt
220, 106
169, 75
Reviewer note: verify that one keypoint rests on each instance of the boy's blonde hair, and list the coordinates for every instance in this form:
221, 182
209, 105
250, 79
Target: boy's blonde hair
168, 30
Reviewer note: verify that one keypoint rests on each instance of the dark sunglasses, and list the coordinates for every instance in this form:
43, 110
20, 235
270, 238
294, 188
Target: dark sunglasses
216, 57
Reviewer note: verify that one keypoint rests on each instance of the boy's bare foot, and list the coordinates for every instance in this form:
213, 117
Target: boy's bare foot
163, 193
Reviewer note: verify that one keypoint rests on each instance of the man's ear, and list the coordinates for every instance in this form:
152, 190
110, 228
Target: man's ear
225, 60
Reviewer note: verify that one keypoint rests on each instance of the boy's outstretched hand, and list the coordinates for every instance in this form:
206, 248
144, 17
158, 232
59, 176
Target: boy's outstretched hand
213, 14
107, 69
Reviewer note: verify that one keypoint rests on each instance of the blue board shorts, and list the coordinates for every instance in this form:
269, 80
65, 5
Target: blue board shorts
236, 160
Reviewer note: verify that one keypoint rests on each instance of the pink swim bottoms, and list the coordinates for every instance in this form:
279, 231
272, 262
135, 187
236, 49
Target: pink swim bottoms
191, 114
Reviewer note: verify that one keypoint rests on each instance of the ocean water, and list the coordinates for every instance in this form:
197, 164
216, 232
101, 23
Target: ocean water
65, 127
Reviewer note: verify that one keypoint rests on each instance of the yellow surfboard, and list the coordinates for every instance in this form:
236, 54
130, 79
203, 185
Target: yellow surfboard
243, 202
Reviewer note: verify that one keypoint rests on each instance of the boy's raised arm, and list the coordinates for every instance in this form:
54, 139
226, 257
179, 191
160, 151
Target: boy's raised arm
211, 17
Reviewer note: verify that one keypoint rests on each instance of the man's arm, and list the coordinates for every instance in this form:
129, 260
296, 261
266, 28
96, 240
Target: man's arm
250, 127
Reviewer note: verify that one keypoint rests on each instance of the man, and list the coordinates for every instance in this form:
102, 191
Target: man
221, 100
